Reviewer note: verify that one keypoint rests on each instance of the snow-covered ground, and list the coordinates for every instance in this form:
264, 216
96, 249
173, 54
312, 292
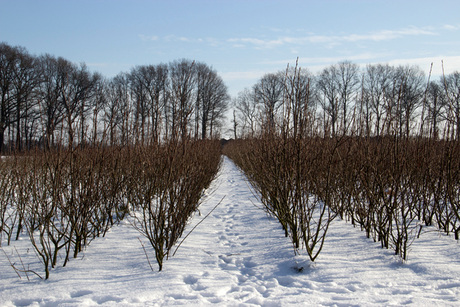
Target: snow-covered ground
238, 256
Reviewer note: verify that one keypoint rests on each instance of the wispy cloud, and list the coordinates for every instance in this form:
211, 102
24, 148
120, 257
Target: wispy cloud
301, 40
451, 27
387, 34
243, 75
382, 35
448, 64
147, 38
180, 39
361, 57
267, 43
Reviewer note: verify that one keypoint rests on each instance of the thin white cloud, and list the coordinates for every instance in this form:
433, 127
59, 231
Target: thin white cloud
268, 43
382, 35
310, 38
184, 39
148, 37
451, 27
257, 42
447, 63
242, 75
307, 61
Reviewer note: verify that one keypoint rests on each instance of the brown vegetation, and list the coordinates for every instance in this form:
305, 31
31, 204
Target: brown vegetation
331, 146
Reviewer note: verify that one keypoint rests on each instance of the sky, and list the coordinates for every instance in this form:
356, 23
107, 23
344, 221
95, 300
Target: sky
241, 39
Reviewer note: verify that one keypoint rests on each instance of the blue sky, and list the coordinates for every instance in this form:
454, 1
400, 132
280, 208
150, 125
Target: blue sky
242, 40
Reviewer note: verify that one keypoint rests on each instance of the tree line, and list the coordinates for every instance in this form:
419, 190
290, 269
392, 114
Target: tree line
374, 101
47, 100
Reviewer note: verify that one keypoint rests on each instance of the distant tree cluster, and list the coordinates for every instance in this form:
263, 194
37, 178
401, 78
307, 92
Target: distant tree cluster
343, 99
47, 100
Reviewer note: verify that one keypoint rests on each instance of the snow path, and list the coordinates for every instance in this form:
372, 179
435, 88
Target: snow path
238, 256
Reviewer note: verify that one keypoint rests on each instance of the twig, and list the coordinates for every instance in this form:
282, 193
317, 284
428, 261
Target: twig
146, 255
24, 270
11, 264
253, 192
198, 224
31, 271
22, 263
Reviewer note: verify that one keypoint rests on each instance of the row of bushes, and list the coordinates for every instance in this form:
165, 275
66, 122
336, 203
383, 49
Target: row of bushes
167, 188
393, 187
293, 182
388, 186
63, 199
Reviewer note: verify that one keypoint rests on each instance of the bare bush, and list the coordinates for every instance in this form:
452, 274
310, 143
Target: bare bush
6, 196
166, 189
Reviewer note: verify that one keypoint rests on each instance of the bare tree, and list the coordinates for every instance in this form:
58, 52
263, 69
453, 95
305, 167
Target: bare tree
338, 85
148, 85
330, 95
140, 104
348, 83
376, 83
451, 85
299, 102
117, 109
409, 80
50, 102
98, 103
25, 82
212, 99
91, 94
247, 112
7, 55
269, 94
435, 105
155, 79
182, 88
78, 88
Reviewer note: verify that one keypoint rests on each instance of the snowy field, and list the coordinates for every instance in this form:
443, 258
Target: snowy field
239, 257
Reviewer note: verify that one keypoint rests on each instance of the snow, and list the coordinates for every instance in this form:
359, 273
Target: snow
238, 256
